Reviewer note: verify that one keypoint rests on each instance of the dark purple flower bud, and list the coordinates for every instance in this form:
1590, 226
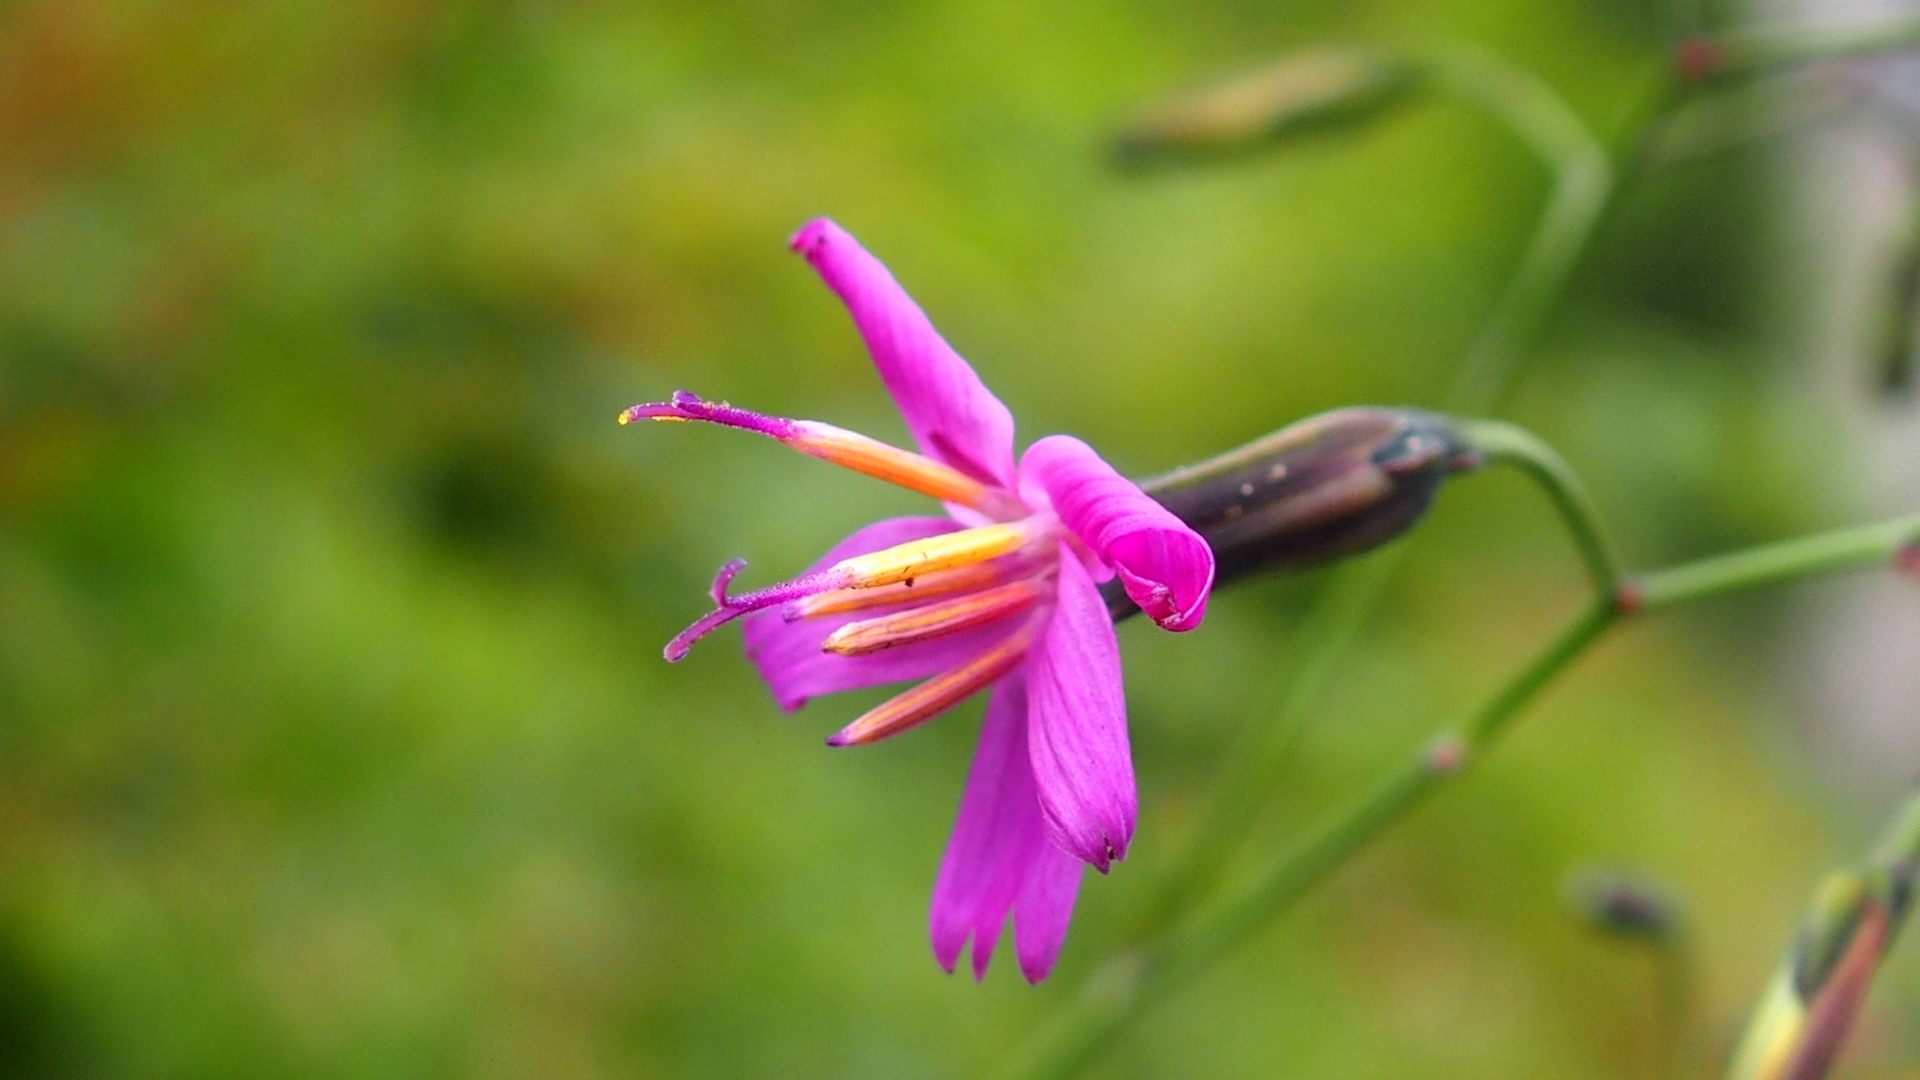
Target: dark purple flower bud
1325, 488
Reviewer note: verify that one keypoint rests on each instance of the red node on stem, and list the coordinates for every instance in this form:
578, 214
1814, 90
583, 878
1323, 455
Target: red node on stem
1628, 597
1696, 58
1907, 559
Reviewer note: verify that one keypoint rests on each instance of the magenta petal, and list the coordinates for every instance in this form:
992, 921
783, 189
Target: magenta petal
1078, 723
999, 858
1165, 566
981, 872
1044, 908
952, 415
788, 653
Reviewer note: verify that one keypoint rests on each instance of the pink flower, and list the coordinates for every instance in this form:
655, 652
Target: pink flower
1001, 593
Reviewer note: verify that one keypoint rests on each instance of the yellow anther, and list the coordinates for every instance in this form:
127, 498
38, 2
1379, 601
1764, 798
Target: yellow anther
908, 561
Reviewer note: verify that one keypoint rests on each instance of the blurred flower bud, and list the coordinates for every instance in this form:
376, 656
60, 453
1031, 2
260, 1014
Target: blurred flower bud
1625, 906
1817, 992
1307, 91
1327, 487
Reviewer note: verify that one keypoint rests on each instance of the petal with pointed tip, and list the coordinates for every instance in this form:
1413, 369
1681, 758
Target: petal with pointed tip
952, 415
1165, 566
999, 859
1078, 719
1044, 908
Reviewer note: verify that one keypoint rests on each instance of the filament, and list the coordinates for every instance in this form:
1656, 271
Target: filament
938, 694
937, 619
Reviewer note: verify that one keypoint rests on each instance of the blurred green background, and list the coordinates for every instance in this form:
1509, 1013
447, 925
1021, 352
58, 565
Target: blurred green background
334, 735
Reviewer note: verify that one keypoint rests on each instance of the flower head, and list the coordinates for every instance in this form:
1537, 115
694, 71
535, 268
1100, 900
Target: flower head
1002, 595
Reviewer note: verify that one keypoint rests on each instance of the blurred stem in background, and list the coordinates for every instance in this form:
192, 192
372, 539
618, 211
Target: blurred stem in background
1816, 992
1321, 464
1583, 193
1126, 986
1308, 92
1769, 48
1639, 913
1508, 444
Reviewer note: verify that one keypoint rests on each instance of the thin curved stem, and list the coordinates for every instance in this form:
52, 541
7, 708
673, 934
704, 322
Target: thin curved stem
1583, 189
1128, 985
1674, 963
1334, 623
1765, 48
1331, 625
1509, 444
1774, 562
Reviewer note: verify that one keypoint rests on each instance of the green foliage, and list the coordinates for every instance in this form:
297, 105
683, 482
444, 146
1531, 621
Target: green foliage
334, 738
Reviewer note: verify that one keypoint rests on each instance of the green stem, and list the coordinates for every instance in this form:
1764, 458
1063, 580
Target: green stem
1817, 989
1133, 982
1583, 189
1900, 845
1509, 444
1775, 562
1582, 192
1130, 984
1761, 49
1332, 624
1673, 960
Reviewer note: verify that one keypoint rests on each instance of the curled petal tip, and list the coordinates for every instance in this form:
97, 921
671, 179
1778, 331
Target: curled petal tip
839, 738
1160, 605
1181, 621
1164, 566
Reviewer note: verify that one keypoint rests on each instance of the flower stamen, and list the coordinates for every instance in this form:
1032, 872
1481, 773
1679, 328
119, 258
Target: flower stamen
728, 608
938, 694
847, 449
908, 561
896, 565
938, 619
956, 579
